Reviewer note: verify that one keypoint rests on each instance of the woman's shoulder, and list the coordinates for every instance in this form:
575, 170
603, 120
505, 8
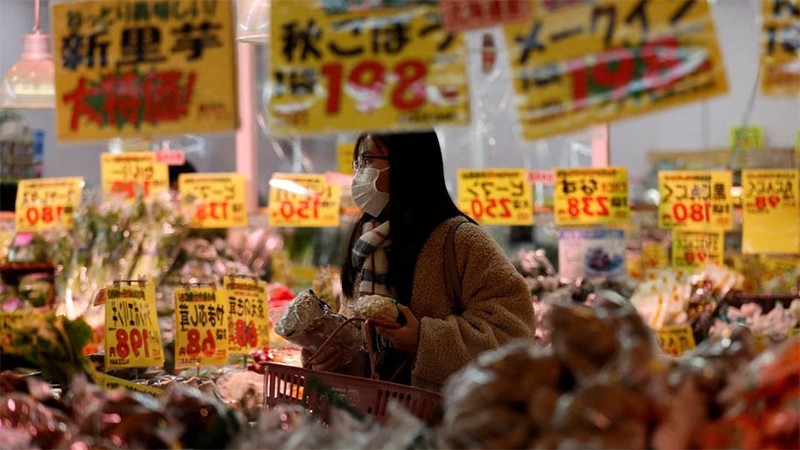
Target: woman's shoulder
467, 233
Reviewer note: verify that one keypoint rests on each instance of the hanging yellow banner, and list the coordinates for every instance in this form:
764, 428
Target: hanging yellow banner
201, 327
132, 336
303, 200
780, 28
770, 204
128, 175
581, 63
695, 200
248, 323
220, 196
364, 68
747, 138
46, 203
496, 196
591, 196
692, 249
130, 68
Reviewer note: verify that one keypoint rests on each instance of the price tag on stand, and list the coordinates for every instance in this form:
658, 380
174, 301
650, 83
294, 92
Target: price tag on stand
248, 323
496, 196
132, 336
303, 200
344, 157
676, 340
201, 327
747, 138
47, 203
108, 382
132, 174
697, 248
695, 200
221, 199
770, 204
591, 196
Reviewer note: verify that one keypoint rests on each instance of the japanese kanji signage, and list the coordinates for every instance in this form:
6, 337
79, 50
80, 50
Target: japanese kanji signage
695, 200
580, 63
461, 15
46, 203
770, 205
692, 249
248, 323
220, 196
496, 196
747, 138
591, 196
132, 336
132, 174
676, 340
201, 327
303, 200
780, 28
364, 69
135, 67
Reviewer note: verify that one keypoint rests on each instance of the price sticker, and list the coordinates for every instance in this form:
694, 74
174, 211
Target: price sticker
47, 203
201, 328
676, 340
344, 157
132, 336
770, 204
221, 199
171, 157
747, 138
128, 175
248, 323
591, 196
109, 383
303, 200
697, 248
496, 196
695, 200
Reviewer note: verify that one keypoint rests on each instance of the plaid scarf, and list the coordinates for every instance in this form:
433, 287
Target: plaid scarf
371, 256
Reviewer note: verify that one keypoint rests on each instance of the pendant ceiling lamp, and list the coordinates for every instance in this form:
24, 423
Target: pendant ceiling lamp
253, 21
29, 83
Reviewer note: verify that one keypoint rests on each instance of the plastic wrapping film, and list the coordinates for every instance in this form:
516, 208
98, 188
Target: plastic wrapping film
308, 322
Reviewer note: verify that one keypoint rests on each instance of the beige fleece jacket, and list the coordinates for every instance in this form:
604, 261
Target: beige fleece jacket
495, 302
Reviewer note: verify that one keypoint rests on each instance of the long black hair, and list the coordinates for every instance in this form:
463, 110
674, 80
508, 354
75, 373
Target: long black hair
419, 203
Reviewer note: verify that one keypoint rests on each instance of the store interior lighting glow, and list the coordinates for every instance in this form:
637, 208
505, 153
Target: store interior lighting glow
29, 83
253, 21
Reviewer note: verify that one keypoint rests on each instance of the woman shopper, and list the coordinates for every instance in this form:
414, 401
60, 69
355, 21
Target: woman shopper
397, 249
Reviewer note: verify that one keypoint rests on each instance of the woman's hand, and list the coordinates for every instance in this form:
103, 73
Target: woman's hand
405, 338
330, 359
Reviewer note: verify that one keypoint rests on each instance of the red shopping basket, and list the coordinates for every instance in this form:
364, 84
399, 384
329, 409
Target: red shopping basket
317, 390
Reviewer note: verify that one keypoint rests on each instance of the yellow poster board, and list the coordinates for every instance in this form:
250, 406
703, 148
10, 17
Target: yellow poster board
47, 203
695, 200
132, 336
201, 327
771, 221
248, 322
303, 200
676, 340
591, 196
364, 68
496, 196
128, 175
691, 249
221, 198
582, 63
128, 68
780, 27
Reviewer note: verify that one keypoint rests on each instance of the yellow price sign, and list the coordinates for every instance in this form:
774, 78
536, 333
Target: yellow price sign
778, 41
109, 383
248, 322
132, 336
201, 327
747, 138
344, 157
303, 200
654, 255
131, 174
496, 196
220, 196
770, 203
47, 203
695, 200
697, 248
676, 340
591, 196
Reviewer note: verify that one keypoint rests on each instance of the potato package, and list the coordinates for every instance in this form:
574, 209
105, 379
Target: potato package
308, 321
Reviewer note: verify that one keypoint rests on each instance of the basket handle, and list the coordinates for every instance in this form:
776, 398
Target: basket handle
368, 324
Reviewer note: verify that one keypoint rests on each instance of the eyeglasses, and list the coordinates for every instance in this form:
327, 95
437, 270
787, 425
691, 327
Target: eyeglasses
362, 160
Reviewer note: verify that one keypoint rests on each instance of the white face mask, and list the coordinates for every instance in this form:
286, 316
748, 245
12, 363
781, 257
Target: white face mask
366, 193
